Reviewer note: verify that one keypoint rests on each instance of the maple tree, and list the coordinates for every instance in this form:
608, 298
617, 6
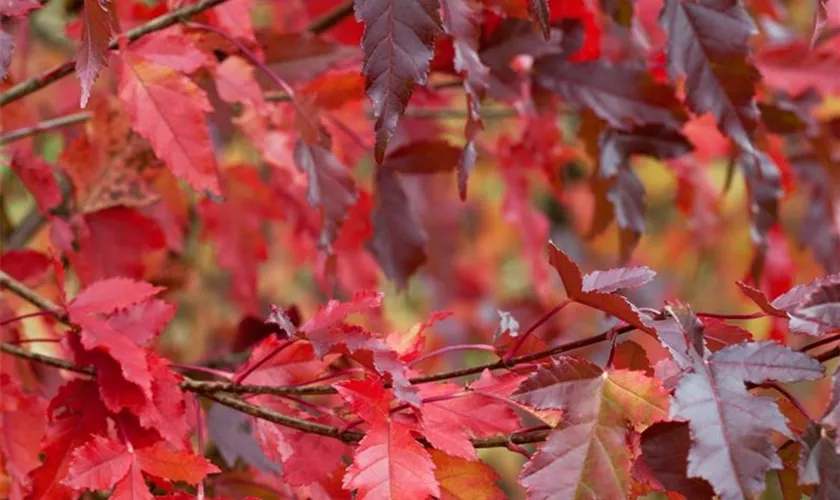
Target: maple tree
242, 240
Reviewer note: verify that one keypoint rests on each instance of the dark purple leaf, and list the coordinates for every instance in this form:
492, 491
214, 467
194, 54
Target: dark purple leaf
820, 463
399, 239
331, 185
423, 157
231, 432
398, 44
664, 456
708, 45
731, 428
624, 95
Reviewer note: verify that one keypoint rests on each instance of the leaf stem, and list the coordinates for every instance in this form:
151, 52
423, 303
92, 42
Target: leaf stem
453, 348
239, 378
755, 315
25, 316
820, 343
522, 338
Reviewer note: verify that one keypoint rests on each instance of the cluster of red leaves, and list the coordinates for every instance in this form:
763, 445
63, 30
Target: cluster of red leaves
672, 410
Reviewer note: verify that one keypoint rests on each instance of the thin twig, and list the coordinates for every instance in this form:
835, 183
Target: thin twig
45, 126
207, 390
820, 343
36, 83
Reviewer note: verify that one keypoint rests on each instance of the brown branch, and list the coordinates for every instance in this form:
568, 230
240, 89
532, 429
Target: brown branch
208, 389
828, 355
45, 126
162, 22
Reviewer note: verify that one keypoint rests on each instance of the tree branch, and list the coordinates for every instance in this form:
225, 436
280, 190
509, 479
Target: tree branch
36, 83
209, 389
45, 126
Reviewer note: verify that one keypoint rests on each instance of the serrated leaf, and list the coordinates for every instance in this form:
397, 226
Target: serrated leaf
624, 95
730, 428
98, 465
169, 110
708, 45
98, 25
331, 185
609, 303
613, 280
664, 458
162, 461
465, 480
587, 455
107, 296
398, 42
388, 462
335, 313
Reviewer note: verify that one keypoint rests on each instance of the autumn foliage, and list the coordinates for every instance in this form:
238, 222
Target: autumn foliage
334, 249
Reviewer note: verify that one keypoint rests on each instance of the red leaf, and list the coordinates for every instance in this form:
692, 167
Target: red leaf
235, 82
423, 157
612, 304
23, 420
398, 45
294, 364
98, 465
161, 461
399, 239
169, 109
719, 79
156, 48
99, 24
758, 297
132, 486
27, 266
719, 334
389, 462
143, 322
108, 296
38, 178
113, 242
335, 313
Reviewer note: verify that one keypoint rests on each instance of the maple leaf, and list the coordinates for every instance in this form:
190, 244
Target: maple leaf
102, 464
99, 24
335, 313
460, 21
39, 178
111, 243
730, 428
399, 239
293, 364
235, 82
23, 420
609, 303
811, 308
76, 413
626, 96
820, 463
398, 44
450, 423
423, 157
331, 184
465, 480
168, 109
388, 462
719, 78
619, 192
664, 459
107, 296
231, 432
587, 454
